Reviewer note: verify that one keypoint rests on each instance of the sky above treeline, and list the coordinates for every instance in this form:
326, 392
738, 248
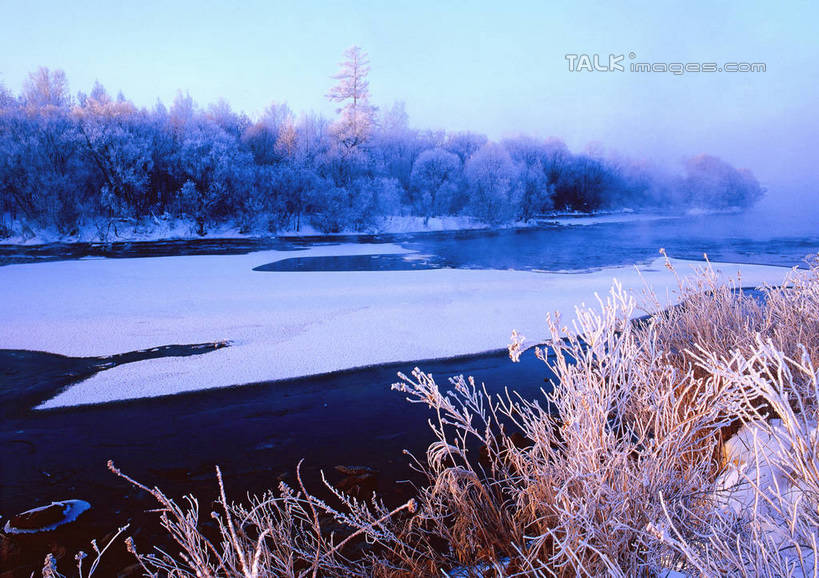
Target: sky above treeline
489, 67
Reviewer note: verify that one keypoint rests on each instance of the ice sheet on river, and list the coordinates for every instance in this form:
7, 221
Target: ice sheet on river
284, 324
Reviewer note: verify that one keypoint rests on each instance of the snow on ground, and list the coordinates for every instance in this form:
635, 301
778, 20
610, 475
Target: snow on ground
283, 324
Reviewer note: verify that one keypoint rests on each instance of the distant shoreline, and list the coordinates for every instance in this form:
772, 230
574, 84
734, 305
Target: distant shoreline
169, 229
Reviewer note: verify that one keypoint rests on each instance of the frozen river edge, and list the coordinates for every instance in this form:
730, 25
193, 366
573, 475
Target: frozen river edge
283, 325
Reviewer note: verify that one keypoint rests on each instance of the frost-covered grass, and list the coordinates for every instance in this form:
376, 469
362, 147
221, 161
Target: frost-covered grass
282, 324
630, 467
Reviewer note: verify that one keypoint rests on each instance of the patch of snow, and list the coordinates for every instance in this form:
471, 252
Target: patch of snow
285, 324
751, 454
759, 452
759, 482
69, 511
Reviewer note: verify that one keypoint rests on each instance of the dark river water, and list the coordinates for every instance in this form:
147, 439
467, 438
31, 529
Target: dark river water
258, 433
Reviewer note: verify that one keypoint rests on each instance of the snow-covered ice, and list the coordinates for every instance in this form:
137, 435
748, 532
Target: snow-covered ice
284, 324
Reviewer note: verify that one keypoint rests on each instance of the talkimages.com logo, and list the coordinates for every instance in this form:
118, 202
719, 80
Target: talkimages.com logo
628, 63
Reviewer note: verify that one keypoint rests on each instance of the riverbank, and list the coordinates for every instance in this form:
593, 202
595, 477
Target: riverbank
167, 229
174, 229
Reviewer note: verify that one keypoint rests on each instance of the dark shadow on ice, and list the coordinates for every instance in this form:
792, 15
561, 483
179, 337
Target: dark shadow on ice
28, 378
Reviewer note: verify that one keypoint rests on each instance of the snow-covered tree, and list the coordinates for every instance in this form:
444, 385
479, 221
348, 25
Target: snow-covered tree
6, 98
436, 177
119, 151
221, 114
183, 111
46, 89
464, 144
274, 137
66, 164
352, 92
529, 155
395, 146
312, 137
711, 182
492, 178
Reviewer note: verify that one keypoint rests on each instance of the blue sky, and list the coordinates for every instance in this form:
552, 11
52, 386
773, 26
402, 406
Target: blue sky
491, 67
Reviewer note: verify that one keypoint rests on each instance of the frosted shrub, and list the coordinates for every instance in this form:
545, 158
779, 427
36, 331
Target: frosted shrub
766, 518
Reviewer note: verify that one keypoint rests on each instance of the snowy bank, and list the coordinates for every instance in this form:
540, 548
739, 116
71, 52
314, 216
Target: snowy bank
285, 324
165, 229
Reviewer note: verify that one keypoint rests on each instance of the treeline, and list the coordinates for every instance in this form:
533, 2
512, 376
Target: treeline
72, 162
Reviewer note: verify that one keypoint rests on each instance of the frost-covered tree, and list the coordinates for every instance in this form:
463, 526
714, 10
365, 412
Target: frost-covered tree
67, 164
395, 146
352, 92
536, 193
274, 137
312, 137
7, 100
711, 182
492, 177
583, 185
554, 158
183, 112
45, 88
221, 171
436, 177
464, 144
221, 114
118, 149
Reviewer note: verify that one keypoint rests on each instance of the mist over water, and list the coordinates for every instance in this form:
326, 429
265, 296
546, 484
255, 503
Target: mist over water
755, 236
